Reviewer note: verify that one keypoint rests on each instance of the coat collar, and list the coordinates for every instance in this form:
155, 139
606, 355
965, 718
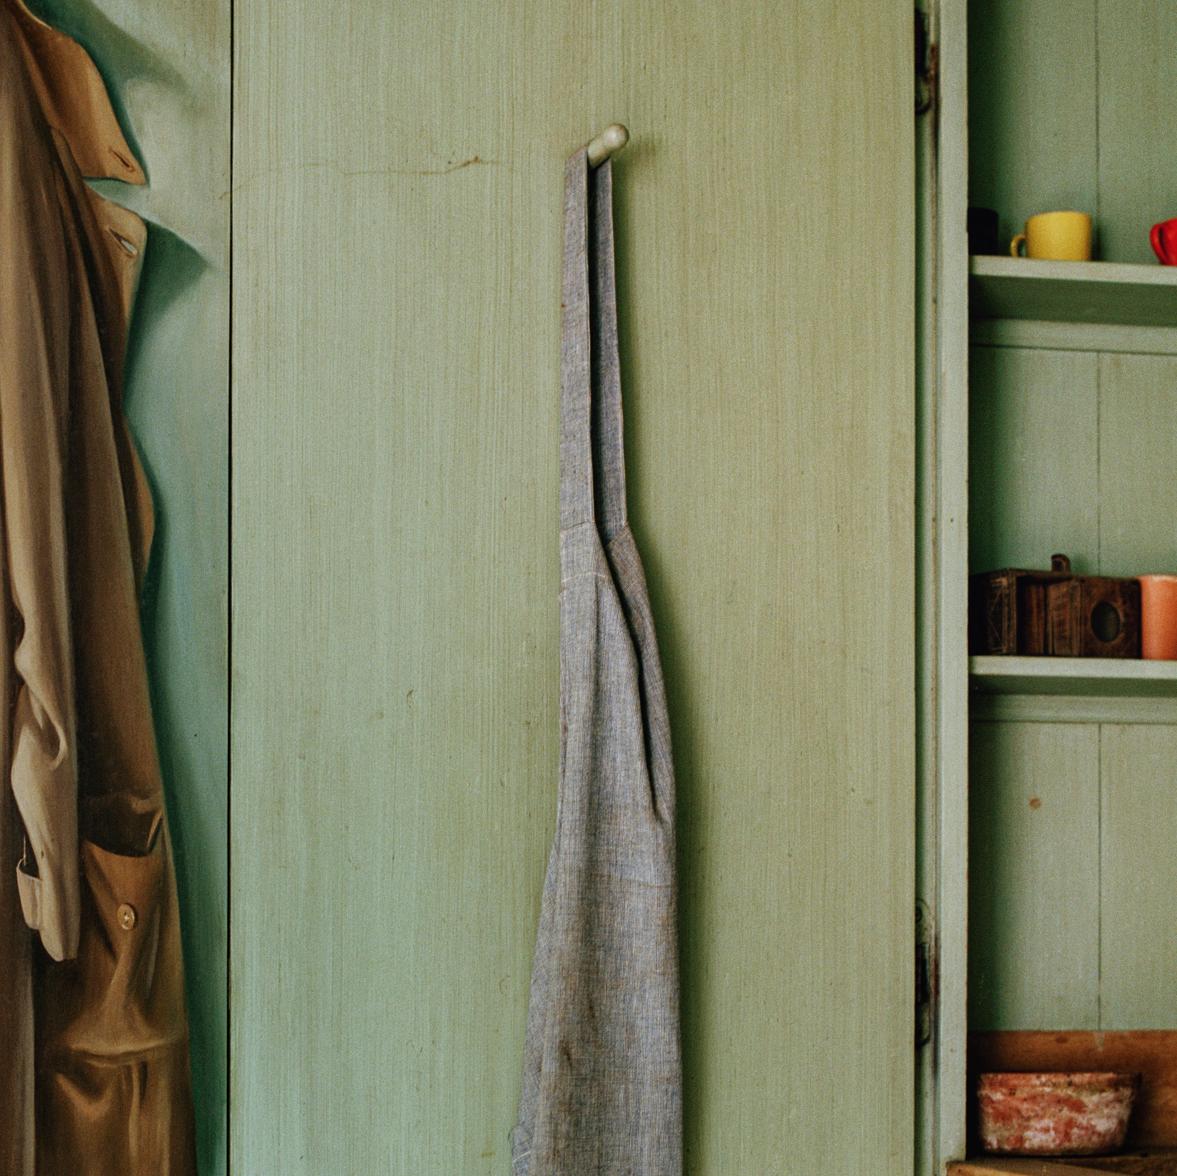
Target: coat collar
74, 99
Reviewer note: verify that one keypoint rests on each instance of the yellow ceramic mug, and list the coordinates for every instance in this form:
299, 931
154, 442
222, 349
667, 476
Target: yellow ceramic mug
1056, 236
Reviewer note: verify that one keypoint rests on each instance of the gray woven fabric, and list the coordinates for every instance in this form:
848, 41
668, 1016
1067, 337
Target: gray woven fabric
602, 1081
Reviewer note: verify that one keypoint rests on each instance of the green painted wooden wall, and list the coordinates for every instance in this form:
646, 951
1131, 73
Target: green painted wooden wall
1073, 875
1072, 449
1073, 443
396, 222
166, 66
1070, 106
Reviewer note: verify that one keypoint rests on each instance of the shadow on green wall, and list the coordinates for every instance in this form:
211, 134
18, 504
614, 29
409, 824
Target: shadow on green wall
171, 268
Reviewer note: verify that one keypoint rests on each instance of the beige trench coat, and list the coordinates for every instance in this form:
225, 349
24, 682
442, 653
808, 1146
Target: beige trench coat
93, 1032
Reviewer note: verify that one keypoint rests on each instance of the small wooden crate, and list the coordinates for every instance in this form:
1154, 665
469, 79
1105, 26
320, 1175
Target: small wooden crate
1093, 616
1007, 612
1054, 613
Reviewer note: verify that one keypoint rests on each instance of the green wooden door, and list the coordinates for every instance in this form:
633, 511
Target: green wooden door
396, 211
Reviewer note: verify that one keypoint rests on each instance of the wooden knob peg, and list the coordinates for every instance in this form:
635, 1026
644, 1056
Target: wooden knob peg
607, 143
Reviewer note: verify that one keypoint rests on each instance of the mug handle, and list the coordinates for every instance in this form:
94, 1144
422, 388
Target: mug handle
1020, 239
1157, 247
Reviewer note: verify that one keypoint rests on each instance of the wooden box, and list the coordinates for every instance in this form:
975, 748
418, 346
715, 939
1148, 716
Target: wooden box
1007, 608
1053, 613
1093, 616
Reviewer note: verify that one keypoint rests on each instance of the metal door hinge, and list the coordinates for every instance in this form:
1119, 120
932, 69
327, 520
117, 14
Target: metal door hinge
925, 973
926, 62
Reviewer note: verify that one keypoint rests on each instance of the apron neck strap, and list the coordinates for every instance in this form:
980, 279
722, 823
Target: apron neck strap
608, 439
590, 380
576, 387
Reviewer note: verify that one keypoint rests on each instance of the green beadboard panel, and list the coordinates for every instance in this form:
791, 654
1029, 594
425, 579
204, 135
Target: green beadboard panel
166, 66
1070, 106
1033, 458
1138, 956
1034, 876
1138, 459
1032, 108
1137, 131
397, 180
1073, 451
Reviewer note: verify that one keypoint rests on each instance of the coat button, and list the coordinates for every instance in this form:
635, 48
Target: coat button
126, 916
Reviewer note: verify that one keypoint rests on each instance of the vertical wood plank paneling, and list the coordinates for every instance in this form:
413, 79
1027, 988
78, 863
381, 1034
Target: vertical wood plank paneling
1034, 876
1138, 458
1033, 458
1138, 957
1070, 107
1137, 131
1032, 107
398, 172
1072, 859
166, 66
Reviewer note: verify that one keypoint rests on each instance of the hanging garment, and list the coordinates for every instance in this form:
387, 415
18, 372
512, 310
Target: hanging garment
93, 1031
602, 1086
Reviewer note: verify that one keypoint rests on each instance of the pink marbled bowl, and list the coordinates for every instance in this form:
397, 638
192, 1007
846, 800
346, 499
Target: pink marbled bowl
1041, 1114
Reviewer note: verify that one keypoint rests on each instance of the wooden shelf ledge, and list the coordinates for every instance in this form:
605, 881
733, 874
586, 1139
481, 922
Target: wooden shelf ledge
1076, 676
993, 1166
1132, 1164
1073, 291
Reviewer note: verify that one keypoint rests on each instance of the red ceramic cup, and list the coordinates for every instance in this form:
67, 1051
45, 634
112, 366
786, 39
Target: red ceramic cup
1158, 617
1164, 241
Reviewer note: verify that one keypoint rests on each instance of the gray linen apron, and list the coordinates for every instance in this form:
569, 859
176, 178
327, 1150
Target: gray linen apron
602, 1084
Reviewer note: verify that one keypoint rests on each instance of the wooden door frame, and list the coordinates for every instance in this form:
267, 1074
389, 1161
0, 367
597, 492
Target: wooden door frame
942, 544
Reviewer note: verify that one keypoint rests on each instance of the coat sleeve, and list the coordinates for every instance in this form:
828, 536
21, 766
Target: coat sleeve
34, 384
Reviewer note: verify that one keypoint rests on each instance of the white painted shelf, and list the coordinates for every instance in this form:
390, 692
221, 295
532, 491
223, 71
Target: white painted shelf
1084, 676
1073, 291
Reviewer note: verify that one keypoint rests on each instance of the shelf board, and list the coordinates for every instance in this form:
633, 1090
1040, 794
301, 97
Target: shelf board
1154, 1164
1073, 291
1088, 676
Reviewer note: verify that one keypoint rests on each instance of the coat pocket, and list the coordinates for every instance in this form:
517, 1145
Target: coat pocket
123, 996
113, 1090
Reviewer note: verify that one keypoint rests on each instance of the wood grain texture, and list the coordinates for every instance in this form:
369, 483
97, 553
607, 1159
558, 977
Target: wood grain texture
1105, 677
1011, 1166
1109, 488
927, 634
1071, 451
1073, 708
946, 433
1142, 1163
1071, 107
1139, 1163
1033, 459
397, 180
1073, 291
1151, 1054
1032, 108
1058, 336
1137, 133
1135, 1165
1034, 876
167, 67
997, 1166
1138, 879
1073, 872
1138, 455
